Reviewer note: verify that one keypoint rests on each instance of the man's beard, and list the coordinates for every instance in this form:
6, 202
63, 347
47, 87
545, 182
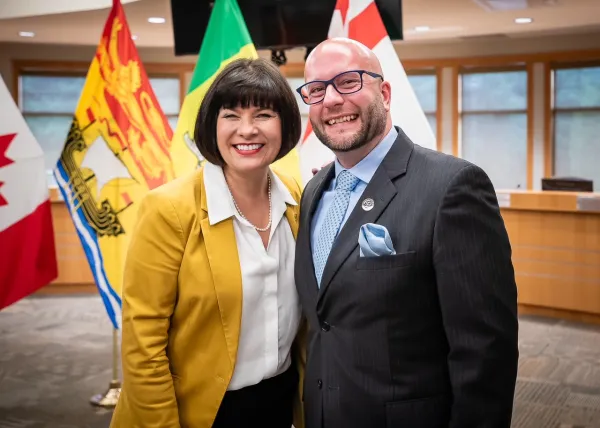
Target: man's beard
373, 124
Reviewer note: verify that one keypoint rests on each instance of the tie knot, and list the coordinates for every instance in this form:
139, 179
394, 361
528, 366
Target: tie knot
346, 181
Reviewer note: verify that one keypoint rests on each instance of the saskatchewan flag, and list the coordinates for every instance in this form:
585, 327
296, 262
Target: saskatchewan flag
226, 39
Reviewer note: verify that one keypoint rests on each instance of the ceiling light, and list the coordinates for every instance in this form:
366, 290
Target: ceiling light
156, 20
422, 28
26, 34
523, 21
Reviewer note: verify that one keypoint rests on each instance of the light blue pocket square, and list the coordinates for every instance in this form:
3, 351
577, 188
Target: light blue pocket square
374, 240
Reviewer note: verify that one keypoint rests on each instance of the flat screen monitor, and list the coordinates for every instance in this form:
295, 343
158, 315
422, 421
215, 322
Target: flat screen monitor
273, 24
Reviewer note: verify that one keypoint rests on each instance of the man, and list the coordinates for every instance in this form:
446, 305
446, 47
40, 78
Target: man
403, 266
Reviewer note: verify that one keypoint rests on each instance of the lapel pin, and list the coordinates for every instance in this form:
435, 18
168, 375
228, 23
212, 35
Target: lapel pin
368, 204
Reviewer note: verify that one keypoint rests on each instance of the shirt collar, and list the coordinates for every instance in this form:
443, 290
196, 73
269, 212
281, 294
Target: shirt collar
365, 169
220, 202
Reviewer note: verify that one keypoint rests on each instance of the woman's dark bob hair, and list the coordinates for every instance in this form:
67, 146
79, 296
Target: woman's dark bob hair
247, 83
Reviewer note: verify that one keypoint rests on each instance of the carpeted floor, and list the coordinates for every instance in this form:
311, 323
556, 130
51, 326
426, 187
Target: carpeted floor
55, 353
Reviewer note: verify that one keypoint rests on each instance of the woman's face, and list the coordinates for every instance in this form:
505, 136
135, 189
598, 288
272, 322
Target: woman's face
248, 138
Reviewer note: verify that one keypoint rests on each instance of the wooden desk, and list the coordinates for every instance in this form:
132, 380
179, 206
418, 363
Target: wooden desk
555, 238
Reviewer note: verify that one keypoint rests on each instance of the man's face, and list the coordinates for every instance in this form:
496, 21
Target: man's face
345, 122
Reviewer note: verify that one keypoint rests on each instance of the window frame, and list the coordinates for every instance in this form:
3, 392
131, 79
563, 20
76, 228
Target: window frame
527, 111
552, 110
432, 71
80, 69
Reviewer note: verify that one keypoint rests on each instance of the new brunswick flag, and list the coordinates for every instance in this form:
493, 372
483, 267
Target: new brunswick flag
116, 151
226, 39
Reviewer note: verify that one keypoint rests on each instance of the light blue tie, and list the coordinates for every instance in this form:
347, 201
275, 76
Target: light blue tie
346, 182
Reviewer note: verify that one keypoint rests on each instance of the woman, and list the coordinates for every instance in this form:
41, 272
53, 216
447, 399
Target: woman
210, 311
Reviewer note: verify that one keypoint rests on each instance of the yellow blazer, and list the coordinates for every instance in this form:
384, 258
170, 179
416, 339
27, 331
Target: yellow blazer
182, 310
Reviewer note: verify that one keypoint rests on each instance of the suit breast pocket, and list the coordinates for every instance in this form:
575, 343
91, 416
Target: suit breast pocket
386, 262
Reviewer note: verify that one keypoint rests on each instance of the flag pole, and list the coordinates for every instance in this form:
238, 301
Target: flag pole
111, 396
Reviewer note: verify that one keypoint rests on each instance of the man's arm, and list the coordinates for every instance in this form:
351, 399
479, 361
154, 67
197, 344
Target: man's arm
478, 300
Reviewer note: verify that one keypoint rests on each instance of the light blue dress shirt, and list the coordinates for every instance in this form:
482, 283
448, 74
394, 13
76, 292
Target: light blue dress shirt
364, 170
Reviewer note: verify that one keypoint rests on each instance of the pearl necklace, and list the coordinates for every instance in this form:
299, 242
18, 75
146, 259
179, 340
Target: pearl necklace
260, 229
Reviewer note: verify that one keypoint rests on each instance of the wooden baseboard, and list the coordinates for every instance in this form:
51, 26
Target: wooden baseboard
564, 314
67, 289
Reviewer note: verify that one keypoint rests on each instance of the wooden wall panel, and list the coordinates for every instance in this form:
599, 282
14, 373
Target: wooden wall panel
73, 267
556, 252
556, 255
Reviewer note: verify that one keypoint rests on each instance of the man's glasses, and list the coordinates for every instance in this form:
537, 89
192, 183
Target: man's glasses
347, 82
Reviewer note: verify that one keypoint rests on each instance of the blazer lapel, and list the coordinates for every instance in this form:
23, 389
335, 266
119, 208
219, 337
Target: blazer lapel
291, 213
381, 190
221, 249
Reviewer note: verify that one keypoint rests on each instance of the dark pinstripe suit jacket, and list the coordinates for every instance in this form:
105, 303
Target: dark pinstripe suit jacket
426, 338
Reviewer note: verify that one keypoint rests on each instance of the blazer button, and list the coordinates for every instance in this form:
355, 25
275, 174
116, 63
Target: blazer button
320, 383
325, 326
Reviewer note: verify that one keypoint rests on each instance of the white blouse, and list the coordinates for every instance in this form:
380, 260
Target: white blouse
270, 308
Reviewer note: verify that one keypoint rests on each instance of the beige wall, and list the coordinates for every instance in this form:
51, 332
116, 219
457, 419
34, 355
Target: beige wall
497, 46
485, 46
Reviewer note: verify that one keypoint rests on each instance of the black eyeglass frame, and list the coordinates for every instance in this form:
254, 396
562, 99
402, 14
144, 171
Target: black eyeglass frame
331, 82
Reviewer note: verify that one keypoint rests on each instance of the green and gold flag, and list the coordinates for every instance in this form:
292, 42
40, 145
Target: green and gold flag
226, 39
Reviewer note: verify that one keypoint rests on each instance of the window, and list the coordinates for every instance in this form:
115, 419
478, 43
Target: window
577, 122
494, 125
48, 103
167, 93
425, 88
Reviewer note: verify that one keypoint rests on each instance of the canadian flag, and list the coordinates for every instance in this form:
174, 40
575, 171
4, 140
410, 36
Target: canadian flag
27, 253
360, 20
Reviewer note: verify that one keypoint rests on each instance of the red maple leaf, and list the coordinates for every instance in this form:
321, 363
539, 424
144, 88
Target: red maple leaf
3, 201
5, 141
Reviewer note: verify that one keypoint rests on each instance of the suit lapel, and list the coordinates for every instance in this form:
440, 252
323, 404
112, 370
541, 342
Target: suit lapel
324, 177
223, 258
381, 189
291, 211
304, 238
